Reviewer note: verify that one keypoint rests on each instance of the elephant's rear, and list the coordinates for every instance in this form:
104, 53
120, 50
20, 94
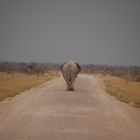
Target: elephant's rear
70, 70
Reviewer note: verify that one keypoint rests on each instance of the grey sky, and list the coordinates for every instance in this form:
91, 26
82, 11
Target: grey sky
97, 32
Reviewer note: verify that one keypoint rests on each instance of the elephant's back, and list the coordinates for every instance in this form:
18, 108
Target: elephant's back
70, 70
70, 66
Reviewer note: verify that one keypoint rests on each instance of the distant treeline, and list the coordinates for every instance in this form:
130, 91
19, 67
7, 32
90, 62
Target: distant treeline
127, 72
30, 68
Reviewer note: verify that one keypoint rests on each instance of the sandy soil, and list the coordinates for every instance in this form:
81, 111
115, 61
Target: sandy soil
49, 112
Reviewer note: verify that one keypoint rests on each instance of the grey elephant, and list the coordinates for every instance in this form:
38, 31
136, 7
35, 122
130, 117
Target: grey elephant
70, 70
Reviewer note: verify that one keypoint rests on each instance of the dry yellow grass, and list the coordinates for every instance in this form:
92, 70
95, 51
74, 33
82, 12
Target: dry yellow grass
127, 92
13, 84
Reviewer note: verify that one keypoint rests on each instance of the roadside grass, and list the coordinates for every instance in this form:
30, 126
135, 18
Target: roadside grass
15, 83
128, 92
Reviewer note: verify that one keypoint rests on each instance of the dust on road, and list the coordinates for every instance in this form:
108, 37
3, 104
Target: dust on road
49, 112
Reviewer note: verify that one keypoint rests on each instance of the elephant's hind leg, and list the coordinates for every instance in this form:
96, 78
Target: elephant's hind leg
67, 84
72, 85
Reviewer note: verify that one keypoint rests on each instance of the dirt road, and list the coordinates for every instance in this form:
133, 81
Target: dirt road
48, 112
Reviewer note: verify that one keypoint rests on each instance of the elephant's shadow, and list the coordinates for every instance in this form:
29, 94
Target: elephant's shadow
77, 91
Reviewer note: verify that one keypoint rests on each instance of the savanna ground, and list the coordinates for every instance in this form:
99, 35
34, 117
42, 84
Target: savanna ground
123, 90
16, 82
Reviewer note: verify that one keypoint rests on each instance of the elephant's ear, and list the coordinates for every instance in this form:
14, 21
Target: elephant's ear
79, 67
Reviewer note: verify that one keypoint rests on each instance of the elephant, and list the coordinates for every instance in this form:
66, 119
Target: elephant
70, 70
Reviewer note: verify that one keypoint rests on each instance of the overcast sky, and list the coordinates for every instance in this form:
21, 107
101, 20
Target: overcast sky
90, 31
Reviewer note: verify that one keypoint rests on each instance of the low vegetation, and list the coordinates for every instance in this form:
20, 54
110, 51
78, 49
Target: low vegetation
13, 83
126, 91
